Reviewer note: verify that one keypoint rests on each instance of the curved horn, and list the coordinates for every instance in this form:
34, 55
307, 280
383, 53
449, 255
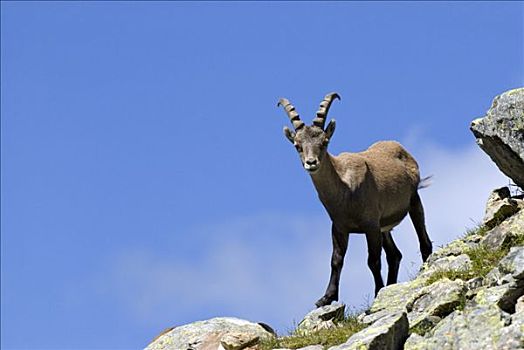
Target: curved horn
291, 113
323, 110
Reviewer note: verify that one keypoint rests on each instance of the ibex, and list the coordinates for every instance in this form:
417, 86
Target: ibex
367, 192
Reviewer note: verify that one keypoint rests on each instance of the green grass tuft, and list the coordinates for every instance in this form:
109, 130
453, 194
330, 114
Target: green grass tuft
451, 275
483, 259
480, 230
325, 337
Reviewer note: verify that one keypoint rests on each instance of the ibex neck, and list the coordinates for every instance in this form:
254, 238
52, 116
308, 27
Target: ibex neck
327, 182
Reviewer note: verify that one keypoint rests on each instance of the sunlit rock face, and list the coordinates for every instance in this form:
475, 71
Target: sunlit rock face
217, 333
500, 133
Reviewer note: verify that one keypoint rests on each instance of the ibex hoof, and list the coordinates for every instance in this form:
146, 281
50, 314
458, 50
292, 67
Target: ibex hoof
325, 300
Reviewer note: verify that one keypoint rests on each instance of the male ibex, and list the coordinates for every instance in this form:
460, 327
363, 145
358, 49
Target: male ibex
368, 192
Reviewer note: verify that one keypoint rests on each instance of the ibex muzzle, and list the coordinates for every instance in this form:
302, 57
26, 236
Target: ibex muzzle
310, 141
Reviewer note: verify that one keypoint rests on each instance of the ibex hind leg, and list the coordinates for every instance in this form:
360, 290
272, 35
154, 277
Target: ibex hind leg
416, 212
374, 241
393, 257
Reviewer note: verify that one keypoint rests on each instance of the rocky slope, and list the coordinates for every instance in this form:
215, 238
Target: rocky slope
468, 295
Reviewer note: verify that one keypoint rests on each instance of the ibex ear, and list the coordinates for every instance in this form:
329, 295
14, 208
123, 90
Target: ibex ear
330, 128
289, 134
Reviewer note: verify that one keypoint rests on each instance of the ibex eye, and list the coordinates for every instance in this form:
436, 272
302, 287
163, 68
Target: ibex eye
299, 148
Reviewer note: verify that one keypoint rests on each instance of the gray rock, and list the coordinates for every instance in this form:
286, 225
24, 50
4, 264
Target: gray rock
474, 283
322, 318
501, 134
238, 341
506, 232
472, 239
504, 296
461, 262
438, 299
493, 278
454, 248
369, 319
505, 282
311, 347
512, 336
475, 328
519, 306
513, 263
414, 342
207, 335
499, 207
387, 333
397, 297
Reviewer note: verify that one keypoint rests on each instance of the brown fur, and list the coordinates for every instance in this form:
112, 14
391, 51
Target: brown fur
375, 184
368, 192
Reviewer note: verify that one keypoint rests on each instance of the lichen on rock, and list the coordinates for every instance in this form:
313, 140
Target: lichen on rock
458, 263
397, 297
500, 133
209, 334
438, 299
324, 317
500, 206
387, 333
474, 328
508, 230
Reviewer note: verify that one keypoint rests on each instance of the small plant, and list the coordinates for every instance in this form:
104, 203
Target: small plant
451, 274
326, 337
514, 241
462, 302
479, 229
484, 259
421, 328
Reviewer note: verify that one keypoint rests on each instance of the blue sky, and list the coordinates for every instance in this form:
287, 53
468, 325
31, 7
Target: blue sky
145, 178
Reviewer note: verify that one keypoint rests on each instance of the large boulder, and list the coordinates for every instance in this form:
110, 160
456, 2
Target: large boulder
508, 288
500, 206
458, 263
513, 263
439, 299
324, 317
217, 333
387, 333
511, 229
477, 328
396, 297
500, 133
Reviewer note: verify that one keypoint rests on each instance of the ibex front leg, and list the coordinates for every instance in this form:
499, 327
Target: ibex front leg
340, 246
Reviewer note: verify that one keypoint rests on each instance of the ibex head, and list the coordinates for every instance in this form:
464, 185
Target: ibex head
310, 141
